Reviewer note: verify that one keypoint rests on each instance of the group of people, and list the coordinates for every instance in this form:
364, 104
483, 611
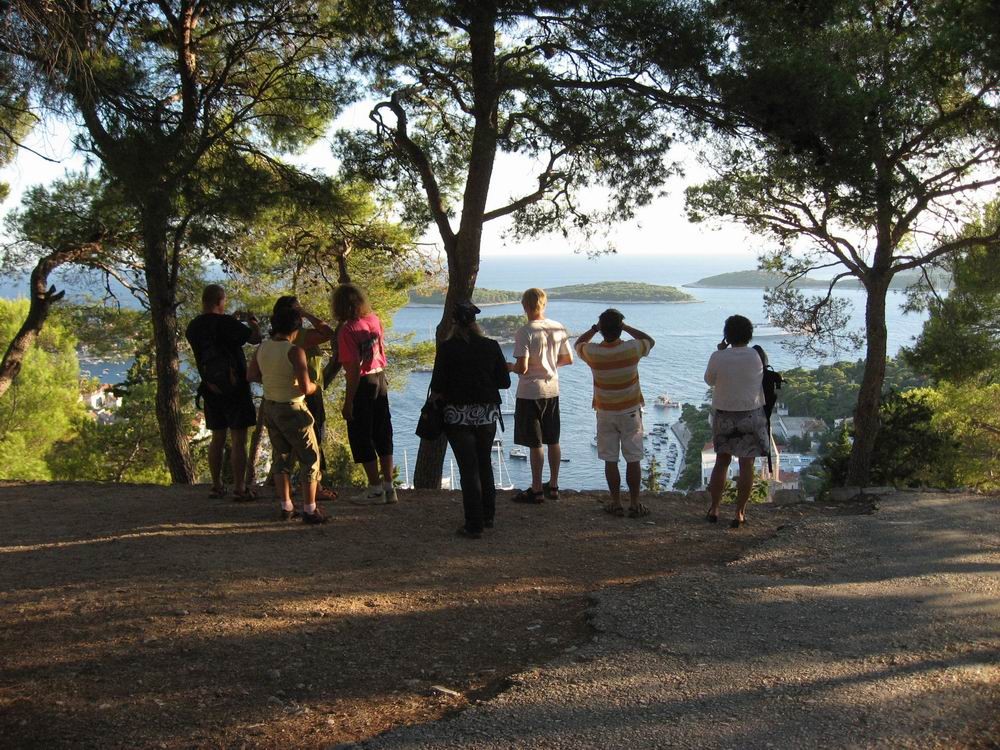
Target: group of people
288, 365
469, 372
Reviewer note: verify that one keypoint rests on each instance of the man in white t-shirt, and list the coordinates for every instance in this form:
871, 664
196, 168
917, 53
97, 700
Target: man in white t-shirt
540, 348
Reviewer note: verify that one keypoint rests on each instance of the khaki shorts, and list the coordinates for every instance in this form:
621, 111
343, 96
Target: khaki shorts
619, 432
290, 428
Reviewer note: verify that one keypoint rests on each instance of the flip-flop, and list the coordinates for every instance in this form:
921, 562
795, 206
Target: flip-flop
639, 512
737, 523
247, 496
615, 510
217, 493
712, 517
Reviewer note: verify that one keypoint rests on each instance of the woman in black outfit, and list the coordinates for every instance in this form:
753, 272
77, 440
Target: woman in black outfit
469, 370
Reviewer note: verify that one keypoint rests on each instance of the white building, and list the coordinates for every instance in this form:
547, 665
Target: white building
787, 466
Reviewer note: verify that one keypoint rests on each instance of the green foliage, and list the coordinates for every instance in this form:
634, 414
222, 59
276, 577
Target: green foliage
502, 327
128, 449
603, 291
960, 340
697, 420
758, 491
967, 412
480, 297
830, 392
620, 291
760, 279
653, 479
43, 401
913, 448
16, 118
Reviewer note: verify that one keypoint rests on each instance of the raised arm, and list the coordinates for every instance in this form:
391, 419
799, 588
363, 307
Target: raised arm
586, 336
637, 334
320, 333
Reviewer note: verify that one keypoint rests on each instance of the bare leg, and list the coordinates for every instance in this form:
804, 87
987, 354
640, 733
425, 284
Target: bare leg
614, 478
555, 455
537, 459
238, 459
743, 487
283, 490
386, 463
215, 448
308, 495
371, 471
633, 477
718, 481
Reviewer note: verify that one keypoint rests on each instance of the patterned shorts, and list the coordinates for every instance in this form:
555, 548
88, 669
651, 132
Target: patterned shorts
740, 433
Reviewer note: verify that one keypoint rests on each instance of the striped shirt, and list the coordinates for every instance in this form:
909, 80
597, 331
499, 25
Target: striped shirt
615, 367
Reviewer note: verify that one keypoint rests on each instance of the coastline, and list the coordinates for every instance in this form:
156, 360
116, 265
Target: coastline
574, 299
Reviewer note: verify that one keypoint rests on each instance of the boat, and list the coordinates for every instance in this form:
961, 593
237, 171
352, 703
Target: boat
501, 468
663, 401
520, 452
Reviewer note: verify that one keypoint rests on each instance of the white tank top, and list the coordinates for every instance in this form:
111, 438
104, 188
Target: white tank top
277, 375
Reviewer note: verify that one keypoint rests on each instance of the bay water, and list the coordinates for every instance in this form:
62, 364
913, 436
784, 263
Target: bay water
686, 334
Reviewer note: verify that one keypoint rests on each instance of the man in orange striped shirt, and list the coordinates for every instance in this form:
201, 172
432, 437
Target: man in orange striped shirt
618, 401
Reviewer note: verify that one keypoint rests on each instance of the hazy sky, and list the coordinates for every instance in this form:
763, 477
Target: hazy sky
660, 228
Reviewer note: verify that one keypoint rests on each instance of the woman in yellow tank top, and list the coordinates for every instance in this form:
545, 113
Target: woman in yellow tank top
284, 372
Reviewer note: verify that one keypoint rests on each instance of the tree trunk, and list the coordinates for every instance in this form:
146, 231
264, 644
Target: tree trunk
866, 413
162, 290
463, 252
42, 296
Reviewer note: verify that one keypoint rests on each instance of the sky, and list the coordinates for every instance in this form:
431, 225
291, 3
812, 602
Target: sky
658, 229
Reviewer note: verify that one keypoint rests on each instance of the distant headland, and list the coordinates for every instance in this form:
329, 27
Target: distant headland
605, 292
769, 280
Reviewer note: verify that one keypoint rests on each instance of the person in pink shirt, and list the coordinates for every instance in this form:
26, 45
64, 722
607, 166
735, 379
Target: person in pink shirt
361, 350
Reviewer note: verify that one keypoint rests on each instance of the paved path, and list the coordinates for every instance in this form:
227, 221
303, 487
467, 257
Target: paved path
843, 631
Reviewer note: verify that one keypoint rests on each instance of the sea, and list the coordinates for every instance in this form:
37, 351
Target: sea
686, 334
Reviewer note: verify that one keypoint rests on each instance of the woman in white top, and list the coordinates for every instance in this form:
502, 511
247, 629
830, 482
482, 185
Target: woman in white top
739, 426
282, 368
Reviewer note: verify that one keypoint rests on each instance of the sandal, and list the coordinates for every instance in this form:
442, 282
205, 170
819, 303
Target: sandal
615, 510
712, 517
246, 496
737, 523
639, 511
325, 493
217, 493
550, 491
529, 496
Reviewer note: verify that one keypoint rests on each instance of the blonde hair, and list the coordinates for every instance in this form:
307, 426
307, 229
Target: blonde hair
534, 299
349, 302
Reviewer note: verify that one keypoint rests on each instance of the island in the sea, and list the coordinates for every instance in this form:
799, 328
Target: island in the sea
605, 292
769, 280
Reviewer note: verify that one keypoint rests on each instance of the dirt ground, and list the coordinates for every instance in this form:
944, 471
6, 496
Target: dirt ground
141, 616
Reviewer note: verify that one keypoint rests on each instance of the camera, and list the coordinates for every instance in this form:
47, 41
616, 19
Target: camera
245, 315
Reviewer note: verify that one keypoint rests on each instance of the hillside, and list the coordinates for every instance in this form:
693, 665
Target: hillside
610, 292
768, 280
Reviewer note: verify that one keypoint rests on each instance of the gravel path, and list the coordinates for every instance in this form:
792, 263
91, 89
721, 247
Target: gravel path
842, 631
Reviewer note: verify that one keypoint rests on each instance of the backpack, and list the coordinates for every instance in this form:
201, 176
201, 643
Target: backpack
219, 375
771, 383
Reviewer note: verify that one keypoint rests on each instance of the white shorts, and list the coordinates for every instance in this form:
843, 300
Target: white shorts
619, 432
